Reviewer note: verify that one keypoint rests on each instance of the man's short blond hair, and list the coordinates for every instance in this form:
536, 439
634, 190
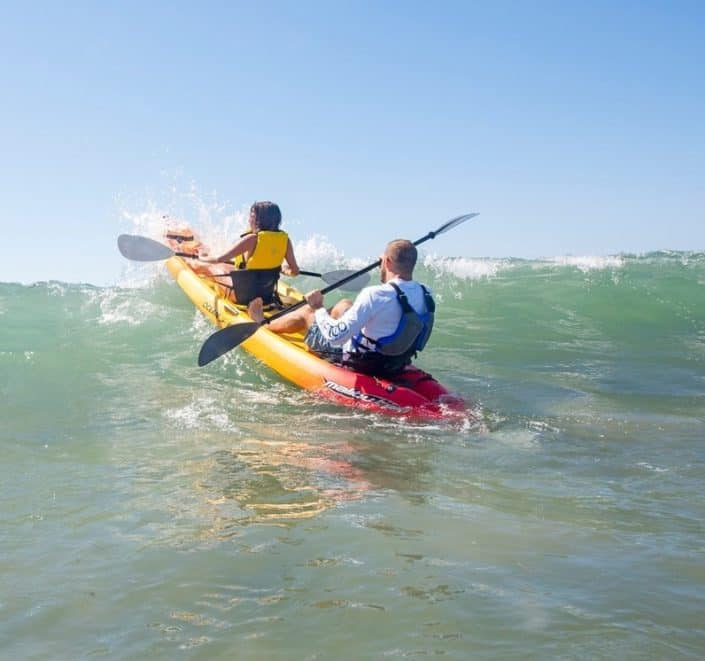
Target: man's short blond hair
403, 255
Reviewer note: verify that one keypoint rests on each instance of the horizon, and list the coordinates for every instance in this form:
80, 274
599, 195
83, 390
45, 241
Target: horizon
138, 274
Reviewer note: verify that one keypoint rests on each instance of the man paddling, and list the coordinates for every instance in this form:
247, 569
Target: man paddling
380, 332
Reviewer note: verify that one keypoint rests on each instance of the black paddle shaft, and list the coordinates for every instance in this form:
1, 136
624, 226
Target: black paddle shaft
229, 337
340, 283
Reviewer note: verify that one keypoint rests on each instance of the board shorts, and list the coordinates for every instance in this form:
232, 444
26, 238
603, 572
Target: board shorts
369, 362
318, 344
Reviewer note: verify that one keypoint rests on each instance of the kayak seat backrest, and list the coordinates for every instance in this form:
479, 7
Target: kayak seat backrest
251, 284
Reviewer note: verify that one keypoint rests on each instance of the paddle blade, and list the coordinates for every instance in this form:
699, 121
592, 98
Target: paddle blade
454, 222
356, 284
224, 340
142, 249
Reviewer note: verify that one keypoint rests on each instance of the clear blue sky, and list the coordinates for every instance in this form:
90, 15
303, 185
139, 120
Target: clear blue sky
573, 127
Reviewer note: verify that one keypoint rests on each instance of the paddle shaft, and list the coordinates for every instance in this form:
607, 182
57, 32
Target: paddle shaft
231, 336
340, 283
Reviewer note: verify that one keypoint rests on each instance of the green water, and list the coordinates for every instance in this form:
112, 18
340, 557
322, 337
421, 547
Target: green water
152, 508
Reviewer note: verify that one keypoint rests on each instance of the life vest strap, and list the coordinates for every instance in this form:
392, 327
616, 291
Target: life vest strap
393, 353
412, 333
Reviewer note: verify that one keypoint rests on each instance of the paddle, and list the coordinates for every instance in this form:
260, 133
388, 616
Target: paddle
356, 284
229, 337
143, 249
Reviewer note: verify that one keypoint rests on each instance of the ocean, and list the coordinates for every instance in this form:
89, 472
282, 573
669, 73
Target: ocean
154, 509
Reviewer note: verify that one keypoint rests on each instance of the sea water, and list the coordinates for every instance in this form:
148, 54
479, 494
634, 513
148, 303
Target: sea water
154, 509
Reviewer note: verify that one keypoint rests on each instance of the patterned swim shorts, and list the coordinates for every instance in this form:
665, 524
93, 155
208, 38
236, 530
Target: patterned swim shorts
318, 344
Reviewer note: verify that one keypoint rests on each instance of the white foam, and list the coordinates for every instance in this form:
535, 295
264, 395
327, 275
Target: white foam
214, 224
650, 467
465, 268
57, 288
150, 222
117, 310
318, 251
588, 263
139, 275
201, 412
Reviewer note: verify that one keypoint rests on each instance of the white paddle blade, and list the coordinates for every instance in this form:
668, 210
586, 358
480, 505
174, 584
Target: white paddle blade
454, 222
142, 249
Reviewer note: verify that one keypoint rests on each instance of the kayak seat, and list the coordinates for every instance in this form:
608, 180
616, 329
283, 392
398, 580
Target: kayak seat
249, 284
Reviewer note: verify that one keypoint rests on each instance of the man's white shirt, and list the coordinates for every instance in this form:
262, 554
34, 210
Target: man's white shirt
375, 312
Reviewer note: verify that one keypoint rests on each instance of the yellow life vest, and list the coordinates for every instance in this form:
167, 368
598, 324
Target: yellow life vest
269, 252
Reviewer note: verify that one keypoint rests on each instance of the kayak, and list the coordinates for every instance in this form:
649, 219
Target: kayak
414, 393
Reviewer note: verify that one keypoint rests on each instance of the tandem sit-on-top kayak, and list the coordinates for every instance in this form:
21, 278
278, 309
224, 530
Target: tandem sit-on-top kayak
413, 393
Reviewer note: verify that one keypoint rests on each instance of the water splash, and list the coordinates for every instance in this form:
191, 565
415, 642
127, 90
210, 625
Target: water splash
589, 263
216, 224
465, 268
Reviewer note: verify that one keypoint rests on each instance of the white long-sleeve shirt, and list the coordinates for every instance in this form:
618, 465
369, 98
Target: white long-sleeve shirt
375, 312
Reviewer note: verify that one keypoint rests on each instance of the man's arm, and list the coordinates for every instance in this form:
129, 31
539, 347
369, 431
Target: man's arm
339, 331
